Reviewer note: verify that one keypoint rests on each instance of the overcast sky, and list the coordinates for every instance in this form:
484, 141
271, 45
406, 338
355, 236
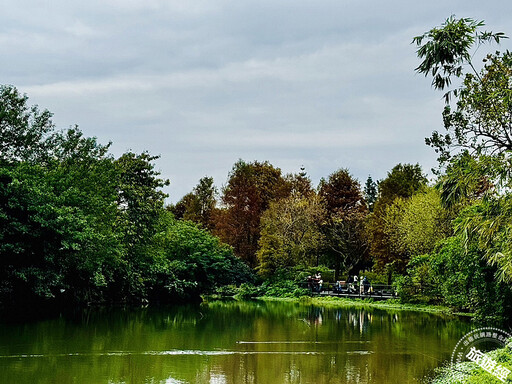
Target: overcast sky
324, 83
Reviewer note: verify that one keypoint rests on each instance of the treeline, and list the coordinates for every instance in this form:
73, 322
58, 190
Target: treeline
445, 242
275, 221
399, 230
79, 226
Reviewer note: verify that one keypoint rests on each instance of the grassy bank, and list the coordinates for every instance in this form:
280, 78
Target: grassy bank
471, 373
337, 302
289, 290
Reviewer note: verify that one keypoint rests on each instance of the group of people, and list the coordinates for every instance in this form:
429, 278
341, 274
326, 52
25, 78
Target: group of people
354, 285
315, 282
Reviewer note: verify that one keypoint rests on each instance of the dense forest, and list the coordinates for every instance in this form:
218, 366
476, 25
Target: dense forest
80, 226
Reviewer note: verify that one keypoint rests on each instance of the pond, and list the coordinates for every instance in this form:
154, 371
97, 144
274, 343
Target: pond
238, 342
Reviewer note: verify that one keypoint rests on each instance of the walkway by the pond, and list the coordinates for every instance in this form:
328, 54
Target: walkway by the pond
374, 296
376, 292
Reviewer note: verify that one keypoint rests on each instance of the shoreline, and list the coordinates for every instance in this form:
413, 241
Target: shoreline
347, 302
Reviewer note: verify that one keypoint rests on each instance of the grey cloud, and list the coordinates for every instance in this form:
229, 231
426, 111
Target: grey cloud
324, 84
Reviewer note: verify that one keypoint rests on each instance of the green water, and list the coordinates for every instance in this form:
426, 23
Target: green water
229, 342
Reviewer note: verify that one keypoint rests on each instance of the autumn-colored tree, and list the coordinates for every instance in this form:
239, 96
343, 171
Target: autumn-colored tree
341, 192
250, 189
345, 243
299, 183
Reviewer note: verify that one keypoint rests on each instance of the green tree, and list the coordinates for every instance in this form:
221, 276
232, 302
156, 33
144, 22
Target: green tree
457, 276
480, 121
370, 193
58, 224
205, 191
448, 48
488, 223
199, 205
187, 208
290, 233
25, 131
478, 178
415, 225
401, 182
190, 261
140, 203
78, 226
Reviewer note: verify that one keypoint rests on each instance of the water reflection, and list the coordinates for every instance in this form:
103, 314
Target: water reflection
229, 342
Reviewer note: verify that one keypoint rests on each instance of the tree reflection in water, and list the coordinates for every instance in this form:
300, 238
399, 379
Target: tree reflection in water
229, 342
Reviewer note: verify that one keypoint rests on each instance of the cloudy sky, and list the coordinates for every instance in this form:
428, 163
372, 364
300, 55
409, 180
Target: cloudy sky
324, 84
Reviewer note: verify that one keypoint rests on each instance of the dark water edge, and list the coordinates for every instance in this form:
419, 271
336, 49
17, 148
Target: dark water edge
228, 342
30, 311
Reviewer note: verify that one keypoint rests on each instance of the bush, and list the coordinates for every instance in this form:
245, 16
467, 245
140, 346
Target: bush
248, 291
227, 290
283, 288
459, 278
191, 254
421, 284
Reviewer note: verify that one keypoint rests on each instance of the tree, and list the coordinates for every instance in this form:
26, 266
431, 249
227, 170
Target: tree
25, 132
402, 182
190, 262
290, 233
78, 226
415, 225
187, 208
370, 193
199, 205
346, 246
448, 48
468, 179
488, 223
205, 191
478, 178
457, 276
481, 120
57, 208
250, 189
58, 224
341, 192
298, 183
140, 204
